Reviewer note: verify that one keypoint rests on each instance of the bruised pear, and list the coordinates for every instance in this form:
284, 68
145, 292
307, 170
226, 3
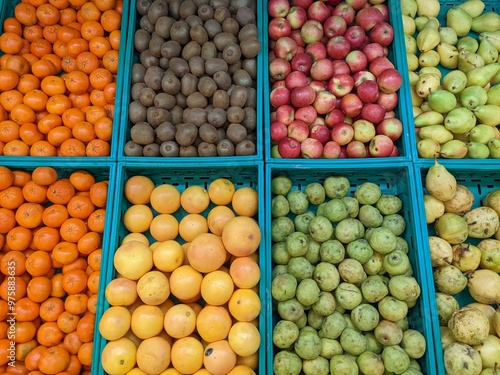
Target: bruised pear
466, 257
452, 228
461, 359
484, 286
490, 254
461, 202
492, 200
441, 251
469, 326
440, 183
488, 310
482, 222
434, 208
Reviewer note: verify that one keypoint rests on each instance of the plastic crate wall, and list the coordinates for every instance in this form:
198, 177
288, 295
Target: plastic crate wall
7, 10
479, 179
403, 110
393, 178
250, 174
132, 56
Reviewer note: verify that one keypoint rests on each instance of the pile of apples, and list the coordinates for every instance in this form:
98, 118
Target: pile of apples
334, 89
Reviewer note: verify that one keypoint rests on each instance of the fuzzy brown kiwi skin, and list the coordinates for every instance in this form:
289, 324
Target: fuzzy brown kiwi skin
138, 72
170, 84
156, 10
145, 24
137, 112
179, 66
197, 116
231, 53
142, 6
141, 40
136, 90
147, 96
147, 59
170, 49
207, 86
132, 149
169, 148
225, 148
196, 100
152, 150
220, 99
155, 116
214, 65
208, 50
153, 77
199, 34
245, 148
207, 149
142, 133
191, 49
236, 133
180, 32
208, 133
185, 134
163, 25
164, 100
165, 131
212, 27
217, 117
188, 151
189, 83
205, 12
197, 66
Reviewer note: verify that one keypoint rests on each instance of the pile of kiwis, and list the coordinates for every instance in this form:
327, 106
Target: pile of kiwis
194, 88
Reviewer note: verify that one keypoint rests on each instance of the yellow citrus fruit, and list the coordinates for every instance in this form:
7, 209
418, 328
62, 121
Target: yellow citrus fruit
119, 356
192, 225
180, 321
136, 371
245, 272
133, 259
241, 236
217, 288
206, 253
251, 361
138, 189
114, 323
219, 358
245, 201
137, 218
195, 199
244, 338
121, 292
153, 355
244, 305
164, 227
218, 217
221, 191
168, 255
147, 321
213, 323
185, 282
136, 237
153, 288
165, 199
187, 355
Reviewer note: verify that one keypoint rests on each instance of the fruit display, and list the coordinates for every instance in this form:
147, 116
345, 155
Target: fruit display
58, 77
347, 289
184, 277
193, 88
464, 247
52, 231
334, 80
454, 71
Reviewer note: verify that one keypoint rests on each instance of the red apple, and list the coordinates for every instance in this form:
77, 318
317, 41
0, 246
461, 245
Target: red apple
279, 69
317, 86
307, 114
334, 117
382, 33
302, 96
278, 131
311, 31
318, 11
391, 127
302, 62
320, 120
356, 60
356, 36
278, 28
298, 130
280, 83
325, 102
295, 35
321, 133
322, 70
373, 50
368, 17
278, 8
356, 149
395, 151
351, 105
302, 3
334, 26
311, 148
331, 150
373, 112
316, 50
285, 48
342, 133
368, 91
279, 96
389, 81
340, 67
390, 114
345, 11
364, 130
380, 64
338, 47
289, 147
295, 79
356, 4
341, 85
343, 152
362, 76
285, 114
381, 146
388, 101
384, 9
297, 17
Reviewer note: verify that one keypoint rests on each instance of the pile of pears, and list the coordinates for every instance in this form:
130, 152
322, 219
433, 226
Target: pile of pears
465, 256
454, 74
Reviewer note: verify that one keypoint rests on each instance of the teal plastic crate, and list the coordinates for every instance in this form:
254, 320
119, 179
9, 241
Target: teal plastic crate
403, 109
132, 56
393, 178
480, 179
246, 174
7, 10
102, 172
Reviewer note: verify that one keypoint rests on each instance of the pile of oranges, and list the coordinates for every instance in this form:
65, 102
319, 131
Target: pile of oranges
51, 230
58, 77
186, 296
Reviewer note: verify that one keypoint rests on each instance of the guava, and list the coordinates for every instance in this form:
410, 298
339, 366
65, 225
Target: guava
396, 263
307, 292
320, 229
352, 206
392, 309
333, 325
332, 251
326, 276
349, 230
335, 210
404, 288
389, 204
281, 185
302, 221
413, 343
388, 333
370, 216
301, 268
279, 206
283, 287
279, 254
343, 364
353, 342
313, 251
281, 228
367, 193
395, 222
314, 319
287, 363
374, 288
290, 309
308, 345
351, 271
285, 333
348, 295
325, 305
382, 240
365, 317
359, 250
336, 186
297, 244
370, 363
316, 366
315, 193
330, 347
298, 201
395, 359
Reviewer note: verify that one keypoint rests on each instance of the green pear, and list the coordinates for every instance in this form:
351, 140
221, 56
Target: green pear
468, 61
429, 8
460, 120
426, 84
428, 39
428, 148
416, 111
448, 55
411, 44
409, 8
488, 114
493, 37
459, 20
489, 21
496, 79
474, 7
412, 61
448, 35
409, 27
487, 51
494, 146
473, 96
468, 44
454, 149
425, 106
482, 133
429, 118
482, 75
462, 137
455, 81
476, 150
437, 132
430, 58
442, 101
420, 22
494, 95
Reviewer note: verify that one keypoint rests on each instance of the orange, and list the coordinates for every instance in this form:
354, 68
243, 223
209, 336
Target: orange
121, 292
244, 305
164, 227
168, 255
180, 321
195, 199
119, 356
206, 253
115, 322
192, 225
153, 355
133, 259
153, 288
241, 236
245, 201
187, 355
213, 323
138, 189
137, 218
245, 272
244, 338
147, 321
165, 199
185, 282
221, 191
135, 237
219, 358
218, 217
217, 288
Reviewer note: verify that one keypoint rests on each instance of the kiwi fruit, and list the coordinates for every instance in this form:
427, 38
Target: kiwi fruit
180, 32
190, 50
141, 40
250, 119
163, 25
207, 86
212, 27
187, 8
142, 6
217, 117
169, 148
173, 9
138, 72
194, 20
236, 133
248, 31
157, 9
145, 24
231, 69
155, 116
152, 150
230, 25
238, 96
245, 148
219, 3
137, 112
185, 133
197, 66
153, 77
132, 149
199, 3
197, 116
198, 34
250, 66
164, 100
165, 131
189, 84
250, 48
235, 114
231, 53
171, 49
179, 66
222, 79
188, 151
205, 12
251, 97
223, 39
142, 133
221, 13
180, 100
147, 59
170, 84
163, 63
136, 89
147, 96
242, 78
213, 65
225, 148
196, 100
208, 50
245, 16
207, 149
176, 114
208, 133
155, 44
220, 99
